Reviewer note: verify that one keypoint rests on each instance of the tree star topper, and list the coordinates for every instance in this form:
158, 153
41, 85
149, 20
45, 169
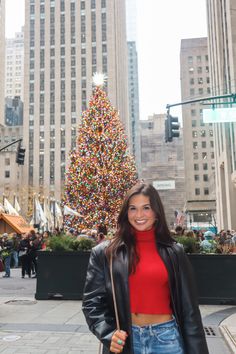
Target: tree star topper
99, 79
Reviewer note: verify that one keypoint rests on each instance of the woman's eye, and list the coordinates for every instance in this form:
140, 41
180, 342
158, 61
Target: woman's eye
147, 207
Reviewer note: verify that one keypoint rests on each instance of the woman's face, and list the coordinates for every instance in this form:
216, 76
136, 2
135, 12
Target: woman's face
140, 214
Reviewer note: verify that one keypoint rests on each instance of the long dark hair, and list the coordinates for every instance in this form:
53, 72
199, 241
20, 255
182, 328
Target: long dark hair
125, 232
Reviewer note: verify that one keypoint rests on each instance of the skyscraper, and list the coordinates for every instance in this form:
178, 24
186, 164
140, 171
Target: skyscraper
222, 55
198, 137
65, 43
2, 59
14, 85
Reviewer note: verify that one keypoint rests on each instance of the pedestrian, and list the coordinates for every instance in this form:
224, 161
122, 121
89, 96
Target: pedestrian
14, 255
7, 248
155, 292
24, 256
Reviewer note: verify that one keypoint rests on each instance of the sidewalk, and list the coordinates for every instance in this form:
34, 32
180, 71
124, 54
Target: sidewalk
58, 326
228, 330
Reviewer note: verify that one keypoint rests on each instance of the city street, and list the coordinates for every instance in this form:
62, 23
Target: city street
57, 326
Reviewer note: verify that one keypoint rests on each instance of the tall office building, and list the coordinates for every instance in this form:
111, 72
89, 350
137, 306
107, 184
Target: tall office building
163, 165
134, 103
198, 137
133, 80
222, 55
66, 42
14, 66
2, 59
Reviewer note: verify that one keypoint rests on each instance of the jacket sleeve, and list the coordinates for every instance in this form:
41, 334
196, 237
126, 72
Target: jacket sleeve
95, 305
193, 332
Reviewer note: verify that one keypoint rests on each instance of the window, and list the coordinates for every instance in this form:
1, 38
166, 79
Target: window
195, 145
195, 155
192, 92
211, 144
196, 167
190, 59
7, 174
191, 81
199, 70
205, 166
7, 162
193, 112
204, 144
194, 123
203, 133
197, 191
211, 132
200, 80
204, 155
196, 178
206, 191
212, 155
194, 134
199, 59
205, 178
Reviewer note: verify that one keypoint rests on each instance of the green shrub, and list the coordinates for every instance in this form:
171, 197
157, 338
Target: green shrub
190, 244
68, 243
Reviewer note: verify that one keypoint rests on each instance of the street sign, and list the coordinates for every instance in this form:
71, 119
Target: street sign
219, 115
164, 185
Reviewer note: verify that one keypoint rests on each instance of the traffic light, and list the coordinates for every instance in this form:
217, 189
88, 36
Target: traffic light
171, 128
20, 154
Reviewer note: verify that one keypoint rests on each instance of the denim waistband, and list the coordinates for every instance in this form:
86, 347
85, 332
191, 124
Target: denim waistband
156, 326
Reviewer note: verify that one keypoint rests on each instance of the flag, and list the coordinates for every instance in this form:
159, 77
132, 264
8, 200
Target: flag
2, 209
69, 211
16, 205
48, 214
9, 208
39, 217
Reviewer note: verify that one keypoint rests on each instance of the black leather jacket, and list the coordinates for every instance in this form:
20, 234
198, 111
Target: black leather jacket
98, 303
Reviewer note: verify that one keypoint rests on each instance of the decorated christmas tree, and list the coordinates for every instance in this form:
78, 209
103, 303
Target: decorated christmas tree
101, 169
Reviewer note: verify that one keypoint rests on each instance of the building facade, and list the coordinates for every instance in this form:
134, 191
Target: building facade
199, 154
66, 42
222, 55
14, 66
2, 59
163, 166
134, 103
11, 174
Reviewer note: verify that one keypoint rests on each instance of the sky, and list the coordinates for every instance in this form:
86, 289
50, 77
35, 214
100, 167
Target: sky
160, 27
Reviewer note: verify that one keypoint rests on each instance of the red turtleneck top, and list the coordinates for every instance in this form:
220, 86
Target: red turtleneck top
148, 286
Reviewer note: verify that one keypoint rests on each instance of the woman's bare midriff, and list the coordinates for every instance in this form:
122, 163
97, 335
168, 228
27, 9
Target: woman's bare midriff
141, 319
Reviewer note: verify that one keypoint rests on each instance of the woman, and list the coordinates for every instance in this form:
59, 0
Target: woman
156, 298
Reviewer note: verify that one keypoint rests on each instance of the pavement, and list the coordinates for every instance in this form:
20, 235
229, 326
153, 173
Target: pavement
58, 326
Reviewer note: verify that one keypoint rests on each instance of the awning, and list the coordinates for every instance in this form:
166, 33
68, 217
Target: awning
200, 206
14, 222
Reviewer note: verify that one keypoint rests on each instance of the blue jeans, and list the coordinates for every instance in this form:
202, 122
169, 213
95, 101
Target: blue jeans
161, 338
14, 256
7, 263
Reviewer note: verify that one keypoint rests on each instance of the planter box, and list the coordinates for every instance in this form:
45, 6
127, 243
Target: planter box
61, 275
215, 278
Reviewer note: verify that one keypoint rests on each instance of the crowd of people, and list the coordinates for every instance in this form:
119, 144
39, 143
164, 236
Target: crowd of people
20, 250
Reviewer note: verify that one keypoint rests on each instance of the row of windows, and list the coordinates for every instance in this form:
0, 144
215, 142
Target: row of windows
196, 144
198, 59
202, 133
199, 91
205, 191
204, 155
199, 69
204, 177
199, 80
204, 166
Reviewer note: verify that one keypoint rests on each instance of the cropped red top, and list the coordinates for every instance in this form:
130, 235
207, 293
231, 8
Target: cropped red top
148, 286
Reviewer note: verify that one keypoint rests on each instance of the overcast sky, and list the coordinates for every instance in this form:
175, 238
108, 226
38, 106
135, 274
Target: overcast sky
160, 27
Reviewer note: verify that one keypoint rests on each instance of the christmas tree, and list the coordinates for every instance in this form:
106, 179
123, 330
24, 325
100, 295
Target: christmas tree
101, 169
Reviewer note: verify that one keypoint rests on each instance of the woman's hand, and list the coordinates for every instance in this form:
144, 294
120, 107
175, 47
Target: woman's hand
118, 341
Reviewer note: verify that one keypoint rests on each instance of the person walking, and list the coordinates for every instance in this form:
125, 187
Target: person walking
155, 292
24, 256
7, 249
